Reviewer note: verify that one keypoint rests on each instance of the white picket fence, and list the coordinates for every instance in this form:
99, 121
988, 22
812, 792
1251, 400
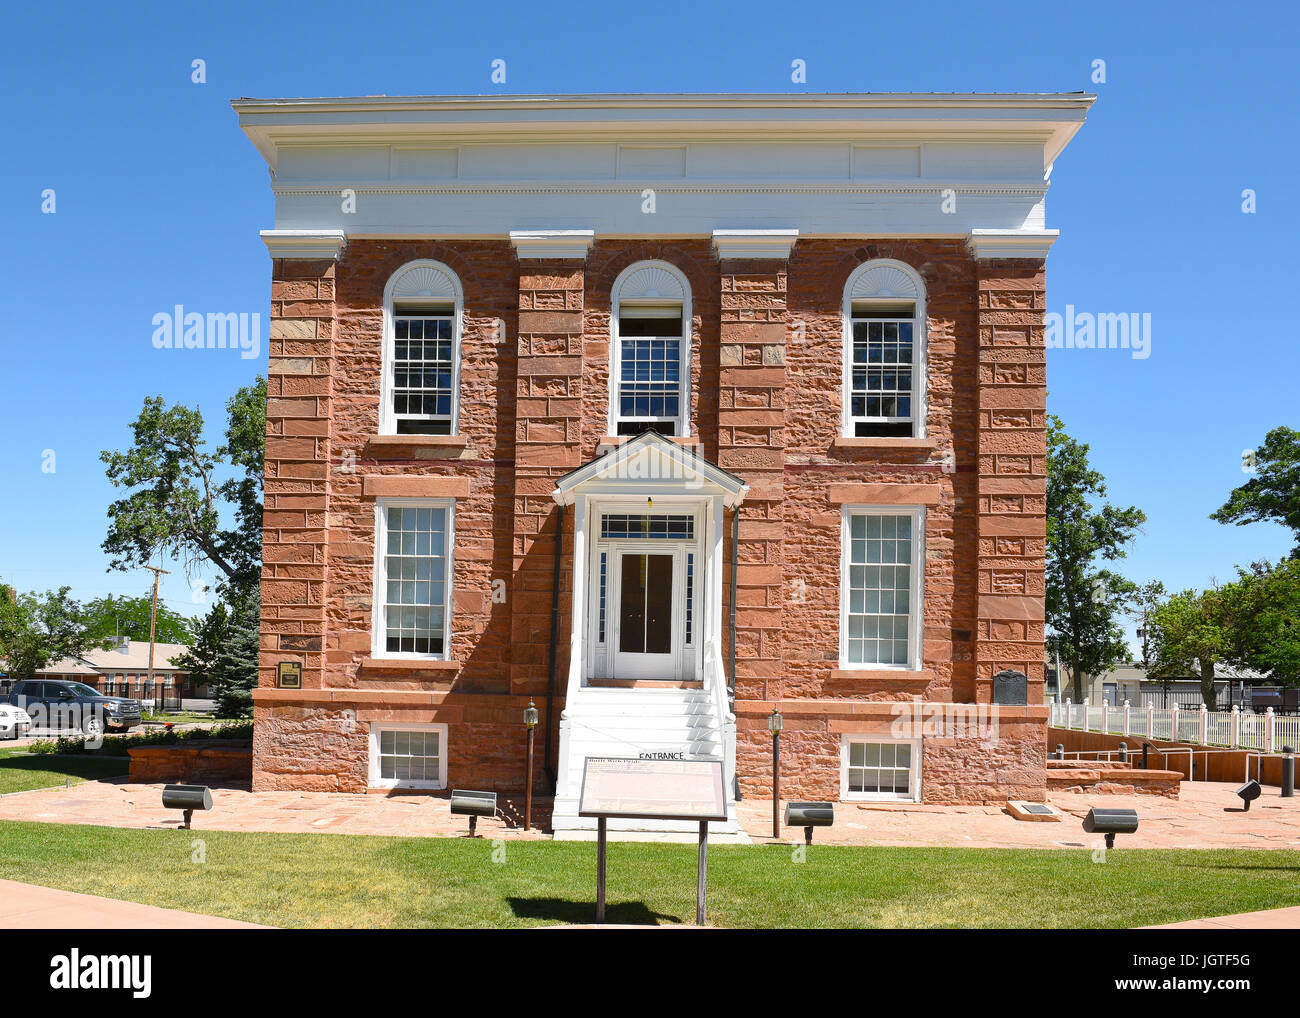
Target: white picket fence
1234, 729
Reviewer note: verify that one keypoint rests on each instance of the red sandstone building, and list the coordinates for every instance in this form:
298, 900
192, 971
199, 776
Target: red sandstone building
661, 412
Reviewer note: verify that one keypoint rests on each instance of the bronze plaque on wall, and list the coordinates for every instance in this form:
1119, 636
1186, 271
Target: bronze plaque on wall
288, 674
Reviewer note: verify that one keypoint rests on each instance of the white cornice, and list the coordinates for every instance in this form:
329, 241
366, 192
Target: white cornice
1049, 119
1011, 243
306, 244
552, 243
754, 243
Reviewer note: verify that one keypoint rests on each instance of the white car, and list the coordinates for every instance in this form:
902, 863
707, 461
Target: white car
14, 722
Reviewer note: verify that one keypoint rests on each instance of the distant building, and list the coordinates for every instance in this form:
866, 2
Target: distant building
123, 670
1130, 682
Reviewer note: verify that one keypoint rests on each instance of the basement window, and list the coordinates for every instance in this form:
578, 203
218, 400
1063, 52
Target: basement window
876, 770
408, 756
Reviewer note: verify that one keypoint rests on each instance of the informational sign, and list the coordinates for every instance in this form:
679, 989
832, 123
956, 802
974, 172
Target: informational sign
647, 788
288, 674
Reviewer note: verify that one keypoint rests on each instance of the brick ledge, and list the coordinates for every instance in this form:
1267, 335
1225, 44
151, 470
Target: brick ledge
404, 664
844, 444
881, 675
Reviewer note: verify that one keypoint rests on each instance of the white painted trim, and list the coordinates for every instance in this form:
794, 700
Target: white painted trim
915, 769
766, 244
614, 475
305, 244
379, 577
600, 660
445, 287
916, 612
531, 244
855, 293
377, 727
984, 244
621, 293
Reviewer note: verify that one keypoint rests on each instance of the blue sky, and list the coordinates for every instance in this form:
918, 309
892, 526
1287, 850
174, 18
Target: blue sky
160, 197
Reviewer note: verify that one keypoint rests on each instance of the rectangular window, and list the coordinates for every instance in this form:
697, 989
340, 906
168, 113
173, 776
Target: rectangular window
408, 756
871, 769
881, 390
633, 525
413, 577
604, 581
649, 371
690, 598
880, 587
423, 372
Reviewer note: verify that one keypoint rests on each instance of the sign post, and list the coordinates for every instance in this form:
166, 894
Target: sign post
637, 789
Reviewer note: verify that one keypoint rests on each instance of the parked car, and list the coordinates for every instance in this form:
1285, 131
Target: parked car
14, 722
59, 704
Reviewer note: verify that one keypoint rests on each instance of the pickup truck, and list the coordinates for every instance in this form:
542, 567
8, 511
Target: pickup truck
62, 704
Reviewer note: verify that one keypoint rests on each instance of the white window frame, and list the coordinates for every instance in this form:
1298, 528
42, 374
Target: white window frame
914, 779
651, 284
883, 281
916, 616
378, 727
379, 579
429, 283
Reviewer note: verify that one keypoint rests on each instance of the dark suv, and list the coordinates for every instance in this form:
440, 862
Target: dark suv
61, 704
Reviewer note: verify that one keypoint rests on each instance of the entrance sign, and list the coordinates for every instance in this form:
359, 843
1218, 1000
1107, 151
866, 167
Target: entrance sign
652, 789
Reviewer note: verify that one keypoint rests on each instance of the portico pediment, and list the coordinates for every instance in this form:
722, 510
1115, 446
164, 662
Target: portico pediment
647, 466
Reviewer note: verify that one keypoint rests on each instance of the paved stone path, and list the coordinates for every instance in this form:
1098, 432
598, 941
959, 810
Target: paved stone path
1206, 815
119, 804
28, 907
1272, 919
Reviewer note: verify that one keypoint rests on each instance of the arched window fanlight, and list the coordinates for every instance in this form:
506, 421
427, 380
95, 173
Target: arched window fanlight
423, 305
884, 344
650, 344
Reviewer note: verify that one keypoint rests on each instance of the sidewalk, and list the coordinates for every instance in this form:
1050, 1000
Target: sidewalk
1270, 919
29, 907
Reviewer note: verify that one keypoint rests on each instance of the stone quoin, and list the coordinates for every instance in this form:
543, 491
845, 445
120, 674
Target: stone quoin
825, 335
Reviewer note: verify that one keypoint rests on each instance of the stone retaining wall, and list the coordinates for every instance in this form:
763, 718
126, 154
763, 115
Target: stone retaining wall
203, 763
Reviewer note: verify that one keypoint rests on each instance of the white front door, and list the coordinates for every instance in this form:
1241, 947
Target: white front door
649, 589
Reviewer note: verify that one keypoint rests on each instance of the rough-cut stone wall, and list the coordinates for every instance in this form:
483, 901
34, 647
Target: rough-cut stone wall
988, 755
766, 363
1012, 469
298, 422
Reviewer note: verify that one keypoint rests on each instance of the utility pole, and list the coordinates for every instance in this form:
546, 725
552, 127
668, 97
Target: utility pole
153, 621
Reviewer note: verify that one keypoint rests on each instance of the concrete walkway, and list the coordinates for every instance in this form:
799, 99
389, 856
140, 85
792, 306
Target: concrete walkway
1207, 815
28, 907
1270, 919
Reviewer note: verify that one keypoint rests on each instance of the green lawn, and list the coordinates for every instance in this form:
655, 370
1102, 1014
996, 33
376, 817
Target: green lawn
304, 880
21, 773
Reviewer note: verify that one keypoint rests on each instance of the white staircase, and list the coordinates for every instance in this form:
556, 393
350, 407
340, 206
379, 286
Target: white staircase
621, 722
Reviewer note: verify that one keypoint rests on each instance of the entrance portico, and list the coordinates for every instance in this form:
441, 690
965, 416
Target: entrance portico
649, 522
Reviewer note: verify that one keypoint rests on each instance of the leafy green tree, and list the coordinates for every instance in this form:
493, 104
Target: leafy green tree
129, 617
209, 638
1084, 603
38, 629
1273, 492
234, 669
1266, 634
179, 491
1196, 633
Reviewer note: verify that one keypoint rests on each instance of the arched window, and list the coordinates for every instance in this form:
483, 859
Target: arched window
423, 304
650, 349
884, 351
